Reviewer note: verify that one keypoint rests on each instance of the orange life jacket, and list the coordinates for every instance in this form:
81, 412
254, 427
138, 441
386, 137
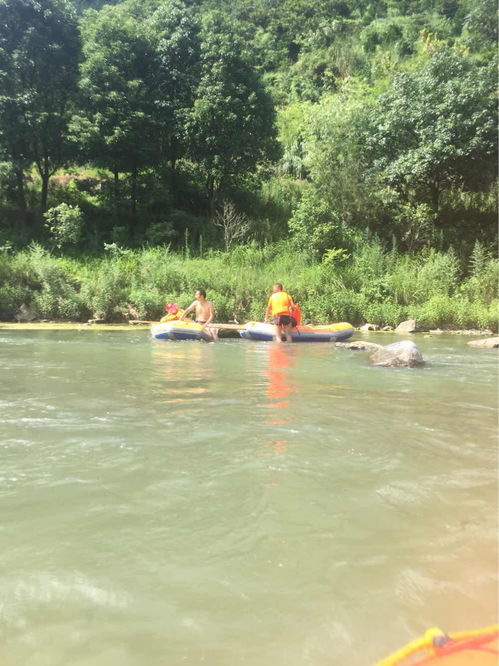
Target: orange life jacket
280, 303
296, 314
171, 317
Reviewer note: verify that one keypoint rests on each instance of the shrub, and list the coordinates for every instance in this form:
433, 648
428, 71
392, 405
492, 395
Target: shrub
315, 228
65, 224
149, 304
12, 296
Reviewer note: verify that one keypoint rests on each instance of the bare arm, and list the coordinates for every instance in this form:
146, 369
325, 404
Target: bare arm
267, 312
189, 309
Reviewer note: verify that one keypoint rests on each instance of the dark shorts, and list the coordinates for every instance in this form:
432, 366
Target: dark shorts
281, 320
200, 321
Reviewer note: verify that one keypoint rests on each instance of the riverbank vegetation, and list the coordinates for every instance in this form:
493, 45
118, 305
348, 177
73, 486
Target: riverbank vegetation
345, 148
372, 284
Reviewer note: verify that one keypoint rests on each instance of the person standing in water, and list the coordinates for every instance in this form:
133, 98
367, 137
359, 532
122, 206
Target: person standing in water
279, 308
204, 311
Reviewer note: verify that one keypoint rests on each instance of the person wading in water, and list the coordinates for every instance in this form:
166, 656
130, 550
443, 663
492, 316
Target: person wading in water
280, 308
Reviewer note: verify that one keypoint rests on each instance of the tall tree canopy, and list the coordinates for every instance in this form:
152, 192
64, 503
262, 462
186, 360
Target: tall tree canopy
39, 56
119, 126
175, 30
232, 126
435, 128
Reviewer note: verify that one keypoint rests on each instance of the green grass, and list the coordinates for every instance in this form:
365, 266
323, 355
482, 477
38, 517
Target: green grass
372, 285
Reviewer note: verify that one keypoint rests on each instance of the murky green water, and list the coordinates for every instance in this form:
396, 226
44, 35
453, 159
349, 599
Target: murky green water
240, 503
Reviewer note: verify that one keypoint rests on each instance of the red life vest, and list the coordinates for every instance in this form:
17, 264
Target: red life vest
296, 314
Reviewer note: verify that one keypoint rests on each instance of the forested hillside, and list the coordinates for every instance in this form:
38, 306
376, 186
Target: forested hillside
318, 129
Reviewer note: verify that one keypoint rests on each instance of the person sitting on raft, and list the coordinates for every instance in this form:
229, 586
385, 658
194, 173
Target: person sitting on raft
173, 313
280, 308
204, 311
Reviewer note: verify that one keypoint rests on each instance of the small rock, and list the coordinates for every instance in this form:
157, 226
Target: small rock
474, 331
436, 331
403, 354
360, 345
387, 328
369, 327
409, 326
488, 343
96, 321
25, 314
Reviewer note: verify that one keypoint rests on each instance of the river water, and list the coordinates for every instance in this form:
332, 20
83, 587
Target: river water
242, 503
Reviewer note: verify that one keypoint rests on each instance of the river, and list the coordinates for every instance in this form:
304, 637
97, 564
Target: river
240, 503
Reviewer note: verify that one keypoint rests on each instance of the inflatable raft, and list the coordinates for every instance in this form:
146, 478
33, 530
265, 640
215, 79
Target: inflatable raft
477, 647
255, 330
180, 330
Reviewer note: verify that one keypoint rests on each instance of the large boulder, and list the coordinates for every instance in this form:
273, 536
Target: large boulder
404, 354
359, 345
25, 314
488, 343
409, 326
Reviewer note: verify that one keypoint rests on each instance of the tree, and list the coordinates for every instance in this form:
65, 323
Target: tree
119, 127
39, 56
481, 23
232, 125
234, 225
435, 129
176, 36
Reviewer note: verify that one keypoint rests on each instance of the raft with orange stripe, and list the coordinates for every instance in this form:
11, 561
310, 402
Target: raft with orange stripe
468, 648
255, 330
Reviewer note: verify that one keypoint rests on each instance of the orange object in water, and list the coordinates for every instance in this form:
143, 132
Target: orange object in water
478, 650
470, 648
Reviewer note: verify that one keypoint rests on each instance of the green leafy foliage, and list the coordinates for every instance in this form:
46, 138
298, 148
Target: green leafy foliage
65, 224
232, 125
435, 128
39, 57
371, 284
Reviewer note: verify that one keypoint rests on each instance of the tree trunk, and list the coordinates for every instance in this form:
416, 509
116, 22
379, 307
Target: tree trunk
43, 166
45, 187
210, 195
435, 196
134, 193
116, 193
173, 165
21, 197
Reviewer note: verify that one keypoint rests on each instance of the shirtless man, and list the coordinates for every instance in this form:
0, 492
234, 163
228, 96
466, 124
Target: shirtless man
204, 312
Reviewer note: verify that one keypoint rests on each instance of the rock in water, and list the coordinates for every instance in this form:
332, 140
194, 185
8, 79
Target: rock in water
404, 354
488, 343
359, 345
369, 327
409, 326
